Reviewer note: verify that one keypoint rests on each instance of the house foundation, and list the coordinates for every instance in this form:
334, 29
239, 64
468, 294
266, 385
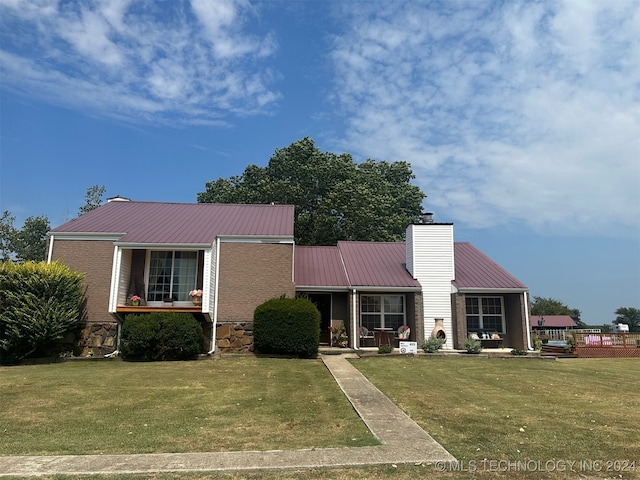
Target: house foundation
97, 339
234, 337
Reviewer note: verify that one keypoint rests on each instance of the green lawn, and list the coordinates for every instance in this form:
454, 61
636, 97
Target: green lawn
220, 405
519, 409
513, 409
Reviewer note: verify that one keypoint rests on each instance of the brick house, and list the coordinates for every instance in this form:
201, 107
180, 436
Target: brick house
243, 255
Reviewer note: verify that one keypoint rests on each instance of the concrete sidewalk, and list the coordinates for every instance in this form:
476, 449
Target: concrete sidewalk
403, 442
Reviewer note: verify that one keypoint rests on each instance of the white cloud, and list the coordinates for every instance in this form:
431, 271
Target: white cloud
522, 111
139, 61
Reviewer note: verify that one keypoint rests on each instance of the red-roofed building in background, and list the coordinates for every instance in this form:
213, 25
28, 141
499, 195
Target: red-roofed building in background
239, 256
552, 322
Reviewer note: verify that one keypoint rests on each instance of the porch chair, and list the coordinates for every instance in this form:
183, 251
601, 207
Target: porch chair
403, 332
365, 333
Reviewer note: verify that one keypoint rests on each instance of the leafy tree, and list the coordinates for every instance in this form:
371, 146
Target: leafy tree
630, 316
92, 199
334, 198
551, 306
7, 235
30, 243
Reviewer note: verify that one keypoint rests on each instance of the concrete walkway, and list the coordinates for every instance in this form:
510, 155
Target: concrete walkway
403, 442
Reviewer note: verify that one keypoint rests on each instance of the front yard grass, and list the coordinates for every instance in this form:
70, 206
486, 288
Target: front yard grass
513, 409
520, 408
110, 407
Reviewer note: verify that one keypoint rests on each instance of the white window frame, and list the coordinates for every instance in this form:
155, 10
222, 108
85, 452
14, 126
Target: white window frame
147, 274
382, 313
481, 314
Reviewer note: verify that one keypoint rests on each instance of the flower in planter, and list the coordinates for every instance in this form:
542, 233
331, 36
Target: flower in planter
195, 293
135, 300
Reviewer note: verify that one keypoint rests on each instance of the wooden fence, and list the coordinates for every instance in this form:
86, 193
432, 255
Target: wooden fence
557, 334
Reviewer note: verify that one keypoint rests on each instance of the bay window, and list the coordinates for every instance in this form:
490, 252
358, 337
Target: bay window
171, 274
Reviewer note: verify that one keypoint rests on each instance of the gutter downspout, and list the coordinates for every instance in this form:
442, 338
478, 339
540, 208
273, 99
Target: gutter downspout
214, 320
50, 254
354, 316
527, 320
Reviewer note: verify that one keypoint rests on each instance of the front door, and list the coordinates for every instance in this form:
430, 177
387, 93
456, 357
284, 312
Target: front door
322, 302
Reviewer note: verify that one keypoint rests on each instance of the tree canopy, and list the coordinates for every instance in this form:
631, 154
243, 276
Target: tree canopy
334, 198
630, 316
92, 199
551, 306
29, 243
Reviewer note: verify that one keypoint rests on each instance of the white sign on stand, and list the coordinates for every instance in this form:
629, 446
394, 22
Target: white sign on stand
408, 347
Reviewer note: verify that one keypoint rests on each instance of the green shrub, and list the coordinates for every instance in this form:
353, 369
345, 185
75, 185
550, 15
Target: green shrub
139, 337
432, 344
160, 336
180, 337
39, 303
518, 351
385, 349
287, 326
472, 345
339, 336
537, 343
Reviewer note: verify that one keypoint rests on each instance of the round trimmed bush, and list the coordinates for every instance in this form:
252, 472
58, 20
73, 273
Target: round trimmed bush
287, 326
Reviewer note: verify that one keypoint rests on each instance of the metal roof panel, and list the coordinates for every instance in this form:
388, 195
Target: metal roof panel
474, 269
182, 223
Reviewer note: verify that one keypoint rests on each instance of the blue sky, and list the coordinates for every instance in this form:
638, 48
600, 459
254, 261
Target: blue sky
521, 119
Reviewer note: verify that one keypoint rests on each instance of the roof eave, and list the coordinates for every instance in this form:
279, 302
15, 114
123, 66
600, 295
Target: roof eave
370, 288
114, 236
256, 238
490, 289
163, 246
324, 288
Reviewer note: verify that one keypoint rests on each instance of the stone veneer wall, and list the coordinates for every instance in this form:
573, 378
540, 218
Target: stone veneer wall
97, 339
234, 337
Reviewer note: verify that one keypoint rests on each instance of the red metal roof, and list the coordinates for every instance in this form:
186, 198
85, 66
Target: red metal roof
319, 267
553, 321
376, 264
182, 223
473, 269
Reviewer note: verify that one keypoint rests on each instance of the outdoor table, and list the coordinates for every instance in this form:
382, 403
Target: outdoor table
383, 336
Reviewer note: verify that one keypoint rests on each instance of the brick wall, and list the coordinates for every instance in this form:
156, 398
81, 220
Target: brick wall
459, 319
251, 274
94, 258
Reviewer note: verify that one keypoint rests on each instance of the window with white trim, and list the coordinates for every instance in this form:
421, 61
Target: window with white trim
485, 313
382, 311
171, 274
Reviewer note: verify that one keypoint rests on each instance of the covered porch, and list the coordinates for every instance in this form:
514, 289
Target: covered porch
499, 319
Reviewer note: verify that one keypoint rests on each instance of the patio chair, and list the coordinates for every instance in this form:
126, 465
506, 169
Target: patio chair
403, 332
